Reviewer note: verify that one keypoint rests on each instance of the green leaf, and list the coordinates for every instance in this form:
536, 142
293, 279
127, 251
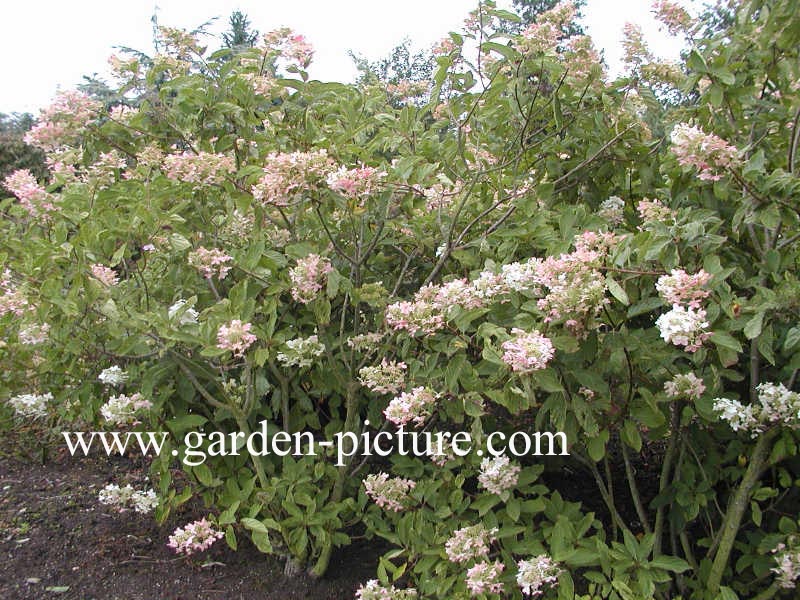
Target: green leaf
670, 563
754, 325
254, 525
203, 474
596, 446
630, 435
725, 340
617, 291
230, 537
792, 340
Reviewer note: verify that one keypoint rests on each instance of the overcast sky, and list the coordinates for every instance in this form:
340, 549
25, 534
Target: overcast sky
47, 45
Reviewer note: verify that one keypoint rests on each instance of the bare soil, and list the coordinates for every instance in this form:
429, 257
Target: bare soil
57, 541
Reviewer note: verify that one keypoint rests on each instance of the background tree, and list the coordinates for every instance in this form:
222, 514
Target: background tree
240, 35
14, 152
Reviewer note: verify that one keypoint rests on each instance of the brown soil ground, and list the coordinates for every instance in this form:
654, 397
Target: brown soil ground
57, 541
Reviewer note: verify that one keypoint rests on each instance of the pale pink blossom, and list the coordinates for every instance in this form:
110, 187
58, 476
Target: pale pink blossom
536, 573
470, 543
484, 578
709, 154
308, 277
287, 175
203, 168
210, 262
388, 493
498, 474
105, 275
33, 197
681, 288
194, 537
64, 121
411, 407
685, 385
527, 351
386, 378
356, 184
236, 337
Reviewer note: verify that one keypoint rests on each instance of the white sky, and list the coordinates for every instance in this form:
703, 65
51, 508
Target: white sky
47, 45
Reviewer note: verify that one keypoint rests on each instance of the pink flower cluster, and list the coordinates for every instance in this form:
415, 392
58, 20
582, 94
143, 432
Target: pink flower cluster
653, 211
236, 337
708, 153
484, 578
356, 184
570, 286
535, 573
194, 537
12, 299
543, 35
385, 378
210, 262
308, 277
388, 493
203, 168
498, 474
286, 175
411, 407
527, 351
290, 45
373, 590
32, 196
469, 543
688, 386
582, 57
673, 16
681, 288
105, 275
61, 123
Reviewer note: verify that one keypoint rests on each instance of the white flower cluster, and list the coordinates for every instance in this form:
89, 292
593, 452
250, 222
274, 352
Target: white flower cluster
301, 352
775, 405
684, 327
498, 474
373, 590
612, 210
32, 406
186, 316
535, 573
113, 376
126, 497
122, 409
685, 385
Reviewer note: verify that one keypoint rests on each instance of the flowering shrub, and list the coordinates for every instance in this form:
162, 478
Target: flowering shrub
531, 245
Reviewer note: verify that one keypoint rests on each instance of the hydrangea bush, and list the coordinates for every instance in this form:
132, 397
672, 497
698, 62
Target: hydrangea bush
525, 244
